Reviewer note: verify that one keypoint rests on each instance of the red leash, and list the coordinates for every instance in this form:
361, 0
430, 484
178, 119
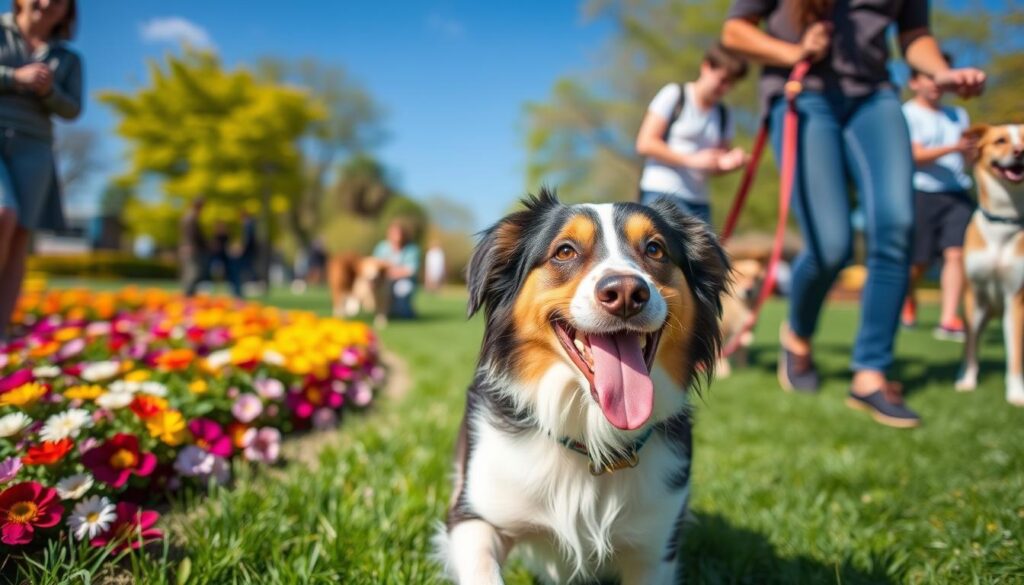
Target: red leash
790, 127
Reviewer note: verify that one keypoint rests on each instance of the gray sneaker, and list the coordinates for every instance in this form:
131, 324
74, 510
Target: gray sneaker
797, 373
886, 407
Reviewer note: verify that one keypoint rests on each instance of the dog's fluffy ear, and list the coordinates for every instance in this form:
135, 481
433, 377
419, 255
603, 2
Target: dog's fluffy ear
495, 268
976, 131
698, 254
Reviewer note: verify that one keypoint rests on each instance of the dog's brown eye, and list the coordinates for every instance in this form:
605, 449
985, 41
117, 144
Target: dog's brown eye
1001, 140
565, 252
655, 251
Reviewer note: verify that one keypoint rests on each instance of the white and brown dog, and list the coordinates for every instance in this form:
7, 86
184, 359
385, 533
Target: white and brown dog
575, 446
994, 254
357, 284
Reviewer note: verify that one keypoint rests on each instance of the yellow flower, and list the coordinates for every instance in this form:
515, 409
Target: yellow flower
168, 426
67, 334
199, 387
23, 395
83, 392
137, 376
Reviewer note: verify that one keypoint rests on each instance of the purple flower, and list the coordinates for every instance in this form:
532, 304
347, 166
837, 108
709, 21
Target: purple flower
9, 468
71, 349
247, 408
361, 393
193, 461
263, 445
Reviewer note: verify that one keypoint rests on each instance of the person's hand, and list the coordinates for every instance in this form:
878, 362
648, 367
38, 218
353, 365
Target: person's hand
35, 77
967, 82
732, 160
705, 160
967, 145
815, 41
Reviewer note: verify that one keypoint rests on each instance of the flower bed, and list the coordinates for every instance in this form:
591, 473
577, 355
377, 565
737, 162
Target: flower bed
110, 401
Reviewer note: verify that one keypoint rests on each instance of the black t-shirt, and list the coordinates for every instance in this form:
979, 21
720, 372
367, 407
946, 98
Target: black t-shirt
859, 53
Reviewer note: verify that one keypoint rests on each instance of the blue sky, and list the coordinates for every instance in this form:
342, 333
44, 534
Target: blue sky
452, 75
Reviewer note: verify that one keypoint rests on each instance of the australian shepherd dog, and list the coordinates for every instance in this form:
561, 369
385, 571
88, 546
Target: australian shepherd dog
575, 446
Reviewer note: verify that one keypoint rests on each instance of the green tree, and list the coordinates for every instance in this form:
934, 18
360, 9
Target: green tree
350, 127
226, 135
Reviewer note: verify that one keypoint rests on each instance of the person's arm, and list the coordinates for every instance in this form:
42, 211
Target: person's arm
744, 36
65, 96
924, 155
922, 53
650, 142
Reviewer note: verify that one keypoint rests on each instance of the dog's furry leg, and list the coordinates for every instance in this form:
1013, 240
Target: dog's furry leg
475, 552
1013, 329
977, 314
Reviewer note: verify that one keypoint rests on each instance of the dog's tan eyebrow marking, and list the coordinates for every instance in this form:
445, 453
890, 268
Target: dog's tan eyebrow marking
637, 228
580, 229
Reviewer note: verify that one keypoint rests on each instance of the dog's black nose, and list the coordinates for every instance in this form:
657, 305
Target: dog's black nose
623, 295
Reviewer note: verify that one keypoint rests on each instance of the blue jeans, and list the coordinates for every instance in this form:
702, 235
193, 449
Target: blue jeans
863, 141
700, 210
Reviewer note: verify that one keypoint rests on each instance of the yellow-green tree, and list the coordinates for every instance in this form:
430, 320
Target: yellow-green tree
225, 135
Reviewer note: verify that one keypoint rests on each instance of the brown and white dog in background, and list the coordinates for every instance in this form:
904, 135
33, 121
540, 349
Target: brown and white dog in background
357, 284
575, 446
994, 254
737, 306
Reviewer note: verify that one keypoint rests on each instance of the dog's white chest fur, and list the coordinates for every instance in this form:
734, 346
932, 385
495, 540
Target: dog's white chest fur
567, 522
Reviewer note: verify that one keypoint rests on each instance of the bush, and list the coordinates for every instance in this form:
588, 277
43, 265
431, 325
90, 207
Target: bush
102, 265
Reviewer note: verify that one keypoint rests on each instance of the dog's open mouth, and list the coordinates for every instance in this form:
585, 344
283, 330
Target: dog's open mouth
1013, 172
618, 367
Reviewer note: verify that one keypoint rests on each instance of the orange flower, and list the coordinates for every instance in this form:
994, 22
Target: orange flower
137, 376
176, 359
145, 405
236, 431
45, 350
47, 452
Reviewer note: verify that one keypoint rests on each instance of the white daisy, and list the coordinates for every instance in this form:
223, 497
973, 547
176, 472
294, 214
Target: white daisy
218, 359
272, 357
115, 400
65, 424
74, 487
124, 387
13, 423
91, 516
100, 371
46, 372
153, 388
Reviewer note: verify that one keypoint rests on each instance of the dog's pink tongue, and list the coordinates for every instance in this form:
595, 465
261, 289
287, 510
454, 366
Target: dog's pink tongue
623, 384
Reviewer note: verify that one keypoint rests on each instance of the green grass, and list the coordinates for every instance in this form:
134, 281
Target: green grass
786, 488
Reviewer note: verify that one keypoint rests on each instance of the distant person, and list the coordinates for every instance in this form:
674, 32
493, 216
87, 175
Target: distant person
220, 254
851, 131
687, 135
434, 269
250, 250
316, 265
942, 203
193, 250
40, 77
403, 258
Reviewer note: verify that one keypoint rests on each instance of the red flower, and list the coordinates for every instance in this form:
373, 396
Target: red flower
132, 528
113, 461
24, 507
145, 406
47, 452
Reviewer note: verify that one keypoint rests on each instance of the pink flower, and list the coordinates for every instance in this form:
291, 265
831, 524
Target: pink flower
210, 437
269, 388
264, 445
306, 401
361, 393
193, 461
71, 349
132, 528
247, 408
324, 418
23, 508
16, 379
9, 468
118, 458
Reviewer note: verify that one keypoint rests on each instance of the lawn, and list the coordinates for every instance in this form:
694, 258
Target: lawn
787, 488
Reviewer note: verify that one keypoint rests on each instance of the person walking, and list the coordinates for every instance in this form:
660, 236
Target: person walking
434, 268
40, 77
942, 202
193, 250
686, 136
851, 131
